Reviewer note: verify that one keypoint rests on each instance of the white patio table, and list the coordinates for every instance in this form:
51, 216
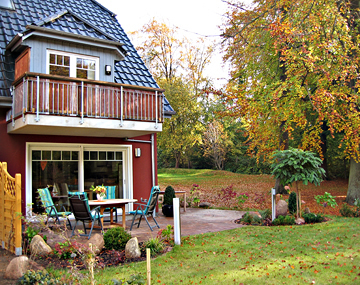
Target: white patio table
110, 203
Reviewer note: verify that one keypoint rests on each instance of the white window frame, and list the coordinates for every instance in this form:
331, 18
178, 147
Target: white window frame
73, 57
127, 165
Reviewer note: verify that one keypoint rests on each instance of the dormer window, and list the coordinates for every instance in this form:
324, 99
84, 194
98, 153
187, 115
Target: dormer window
72, 65
7, 4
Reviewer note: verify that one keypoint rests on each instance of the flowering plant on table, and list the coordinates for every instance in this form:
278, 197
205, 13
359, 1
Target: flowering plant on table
100, 190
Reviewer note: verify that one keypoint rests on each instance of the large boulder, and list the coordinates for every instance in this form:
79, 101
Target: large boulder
18, 267
39, 247
281, 208
132, 249
97, 241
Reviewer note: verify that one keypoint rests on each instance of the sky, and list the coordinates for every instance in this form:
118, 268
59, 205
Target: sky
192, 17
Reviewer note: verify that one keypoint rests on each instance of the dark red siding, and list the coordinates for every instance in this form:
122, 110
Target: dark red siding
13, 151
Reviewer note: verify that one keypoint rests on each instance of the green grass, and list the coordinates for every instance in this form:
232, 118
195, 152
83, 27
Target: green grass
326, 253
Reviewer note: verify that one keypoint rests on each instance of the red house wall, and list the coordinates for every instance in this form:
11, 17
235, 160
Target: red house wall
13, 151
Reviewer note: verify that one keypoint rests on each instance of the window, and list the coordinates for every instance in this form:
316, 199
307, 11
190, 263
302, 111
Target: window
8, 4
73, 65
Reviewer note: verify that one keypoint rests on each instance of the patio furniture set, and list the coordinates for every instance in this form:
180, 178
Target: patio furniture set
92, 211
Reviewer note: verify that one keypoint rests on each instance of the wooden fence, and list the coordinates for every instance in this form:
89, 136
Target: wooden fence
10, 210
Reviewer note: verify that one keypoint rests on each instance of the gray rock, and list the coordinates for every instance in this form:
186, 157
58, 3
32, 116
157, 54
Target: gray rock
39, 247
19, 265
204, 205
300, 221
281, 208
97, 241
132, 249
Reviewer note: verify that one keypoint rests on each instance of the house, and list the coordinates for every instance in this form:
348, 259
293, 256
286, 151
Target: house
78, 107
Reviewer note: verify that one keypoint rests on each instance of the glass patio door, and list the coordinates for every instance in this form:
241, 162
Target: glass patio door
56, 169
63, 168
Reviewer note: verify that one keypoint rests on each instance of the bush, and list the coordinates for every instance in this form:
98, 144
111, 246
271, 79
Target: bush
250, 219
292, 203
346, 211
169, 195
311, 218
155, 244
283, 221
265, 214
38, 277
116, 238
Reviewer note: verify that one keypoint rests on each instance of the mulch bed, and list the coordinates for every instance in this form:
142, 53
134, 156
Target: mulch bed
106, 258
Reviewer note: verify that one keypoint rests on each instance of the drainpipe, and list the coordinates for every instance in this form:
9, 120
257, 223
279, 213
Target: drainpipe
152, 142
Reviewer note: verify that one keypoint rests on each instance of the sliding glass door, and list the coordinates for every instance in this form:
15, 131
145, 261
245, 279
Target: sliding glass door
67, 167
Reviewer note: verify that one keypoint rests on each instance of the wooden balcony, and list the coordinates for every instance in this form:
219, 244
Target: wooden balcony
92, 104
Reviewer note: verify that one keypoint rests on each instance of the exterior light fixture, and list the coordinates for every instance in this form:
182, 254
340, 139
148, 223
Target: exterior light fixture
137, 152
107, 69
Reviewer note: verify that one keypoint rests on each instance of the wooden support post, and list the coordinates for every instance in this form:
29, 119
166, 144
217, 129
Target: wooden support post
17, 216
2, 204
148, 266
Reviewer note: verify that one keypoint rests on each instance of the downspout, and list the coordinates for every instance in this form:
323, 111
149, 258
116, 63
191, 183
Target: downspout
152, 142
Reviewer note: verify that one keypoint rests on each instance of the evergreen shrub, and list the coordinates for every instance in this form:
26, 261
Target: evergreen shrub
116, 238
169, 195
292, 203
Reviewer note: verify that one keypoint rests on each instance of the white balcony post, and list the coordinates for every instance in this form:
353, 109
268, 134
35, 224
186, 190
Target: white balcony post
37, 98
156, 109
12, 89
121, 106
24, 107
82, 103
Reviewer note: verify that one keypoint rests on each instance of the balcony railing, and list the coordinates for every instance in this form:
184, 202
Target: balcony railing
53, 95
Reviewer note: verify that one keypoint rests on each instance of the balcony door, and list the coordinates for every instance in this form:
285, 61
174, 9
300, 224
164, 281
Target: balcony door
68, 167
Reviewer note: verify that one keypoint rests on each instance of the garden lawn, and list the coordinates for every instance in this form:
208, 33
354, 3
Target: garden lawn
326, 253
258, 188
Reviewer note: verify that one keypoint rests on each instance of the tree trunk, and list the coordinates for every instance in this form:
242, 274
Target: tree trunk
283, 145
324, 147
354, 182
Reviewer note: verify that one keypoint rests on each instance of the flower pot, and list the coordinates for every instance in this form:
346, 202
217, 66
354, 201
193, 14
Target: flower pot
99, 197
168, 210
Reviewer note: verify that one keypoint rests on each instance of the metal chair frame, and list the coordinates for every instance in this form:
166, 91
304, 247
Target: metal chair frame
50, 208
81, 210
147, 209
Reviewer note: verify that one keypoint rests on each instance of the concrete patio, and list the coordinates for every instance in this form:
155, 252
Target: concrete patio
193, 221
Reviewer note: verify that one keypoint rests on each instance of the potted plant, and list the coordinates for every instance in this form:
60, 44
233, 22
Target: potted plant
167, 207
100, 191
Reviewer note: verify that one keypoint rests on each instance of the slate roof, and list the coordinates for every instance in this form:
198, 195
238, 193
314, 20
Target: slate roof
86, 18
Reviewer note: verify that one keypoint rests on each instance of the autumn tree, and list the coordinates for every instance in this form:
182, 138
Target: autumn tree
183, 130
294, 68
178, 65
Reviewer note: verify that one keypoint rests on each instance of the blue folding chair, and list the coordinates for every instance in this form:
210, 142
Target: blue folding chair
144, 210
110, 194
80, 206
50, 208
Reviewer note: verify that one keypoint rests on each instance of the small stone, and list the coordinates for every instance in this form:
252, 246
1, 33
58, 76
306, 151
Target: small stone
300, 221
281, 208
39, 247
204, 205
132, 249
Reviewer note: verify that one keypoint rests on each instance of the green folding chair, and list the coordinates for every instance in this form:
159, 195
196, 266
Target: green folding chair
50, 208
144, 210
80, 206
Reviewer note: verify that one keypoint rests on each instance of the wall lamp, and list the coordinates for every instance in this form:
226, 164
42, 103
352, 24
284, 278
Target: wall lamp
107, 69
137, 152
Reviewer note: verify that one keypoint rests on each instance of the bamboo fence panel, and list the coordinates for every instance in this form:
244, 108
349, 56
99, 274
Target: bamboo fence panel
10, 211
